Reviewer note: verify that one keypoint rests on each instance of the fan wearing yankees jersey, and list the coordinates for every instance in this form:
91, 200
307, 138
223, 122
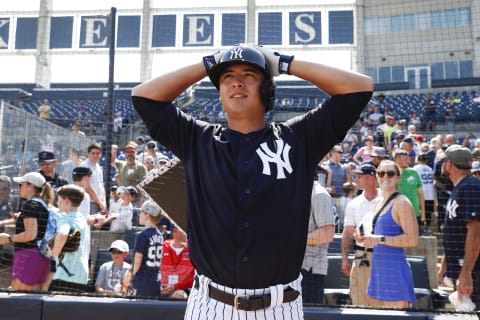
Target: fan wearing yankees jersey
249, 183
461, 232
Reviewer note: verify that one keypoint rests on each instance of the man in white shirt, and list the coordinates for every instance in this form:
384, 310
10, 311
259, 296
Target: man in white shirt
96, 188
358, 218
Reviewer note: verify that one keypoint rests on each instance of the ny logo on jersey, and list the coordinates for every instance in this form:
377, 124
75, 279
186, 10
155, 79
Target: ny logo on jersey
452, 206
236, 53
280, 158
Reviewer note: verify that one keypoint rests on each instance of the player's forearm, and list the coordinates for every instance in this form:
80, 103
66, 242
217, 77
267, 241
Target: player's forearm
331, 80
169, 86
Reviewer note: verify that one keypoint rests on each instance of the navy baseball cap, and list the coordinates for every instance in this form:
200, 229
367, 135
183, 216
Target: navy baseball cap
132, 190
408, 140
81, 172
366, 168
422, 157
46, 156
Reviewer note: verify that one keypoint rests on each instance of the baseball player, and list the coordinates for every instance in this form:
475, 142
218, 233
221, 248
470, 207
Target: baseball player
249, 185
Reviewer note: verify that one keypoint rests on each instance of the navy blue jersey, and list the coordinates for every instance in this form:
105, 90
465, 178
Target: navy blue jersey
149, 243
462, 206
248, 195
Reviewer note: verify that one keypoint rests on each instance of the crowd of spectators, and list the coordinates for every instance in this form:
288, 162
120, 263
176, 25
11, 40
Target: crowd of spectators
123, 213
380, 136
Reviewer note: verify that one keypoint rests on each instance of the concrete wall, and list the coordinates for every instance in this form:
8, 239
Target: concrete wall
57, 307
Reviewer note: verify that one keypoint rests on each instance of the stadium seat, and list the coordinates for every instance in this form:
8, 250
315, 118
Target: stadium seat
131, 236
427, 298
336, 284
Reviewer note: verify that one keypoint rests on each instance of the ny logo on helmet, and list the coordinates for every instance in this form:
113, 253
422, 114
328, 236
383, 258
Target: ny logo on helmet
279, 157
236, 53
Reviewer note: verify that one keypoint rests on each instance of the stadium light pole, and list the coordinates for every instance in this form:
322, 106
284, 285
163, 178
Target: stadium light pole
110, 106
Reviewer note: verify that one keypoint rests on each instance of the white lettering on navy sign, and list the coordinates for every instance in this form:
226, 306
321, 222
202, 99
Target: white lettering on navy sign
93, 32
197, 29
305, 27
3, 23
280, 157
452, 206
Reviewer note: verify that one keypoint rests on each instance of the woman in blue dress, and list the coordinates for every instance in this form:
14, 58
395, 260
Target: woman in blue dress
395, 228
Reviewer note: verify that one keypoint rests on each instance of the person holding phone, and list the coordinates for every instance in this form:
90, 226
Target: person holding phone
358, 220
394, 229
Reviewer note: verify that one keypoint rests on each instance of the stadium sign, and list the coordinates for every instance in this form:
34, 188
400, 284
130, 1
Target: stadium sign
183, 30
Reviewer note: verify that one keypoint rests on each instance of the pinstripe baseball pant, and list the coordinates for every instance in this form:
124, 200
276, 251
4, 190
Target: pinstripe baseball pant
201, 307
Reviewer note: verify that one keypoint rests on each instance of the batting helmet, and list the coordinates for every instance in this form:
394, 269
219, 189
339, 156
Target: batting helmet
251, 56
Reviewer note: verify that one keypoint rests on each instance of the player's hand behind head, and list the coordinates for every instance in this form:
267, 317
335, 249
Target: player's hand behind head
278, 63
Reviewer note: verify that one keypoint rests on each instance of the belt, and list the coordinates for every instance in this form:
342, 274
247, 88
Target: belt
355, 247
336, 195
248, 302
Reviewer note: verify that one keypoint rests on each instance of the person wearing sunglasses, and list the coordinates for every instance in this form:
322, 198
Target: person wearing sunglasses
358, 219
394, 229
111, 274
30, 224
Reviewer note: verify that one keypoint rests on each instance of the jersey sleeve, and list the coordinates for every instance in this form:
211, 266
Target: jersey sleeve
166, 124
140, 243
471, 194
328, 124
32, 209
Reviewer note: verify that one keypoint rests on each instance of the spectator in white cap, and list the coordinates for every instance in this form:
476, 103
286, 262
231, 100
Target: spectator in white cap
121, 220
151, 150
148, 253
30, 225
111, 274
